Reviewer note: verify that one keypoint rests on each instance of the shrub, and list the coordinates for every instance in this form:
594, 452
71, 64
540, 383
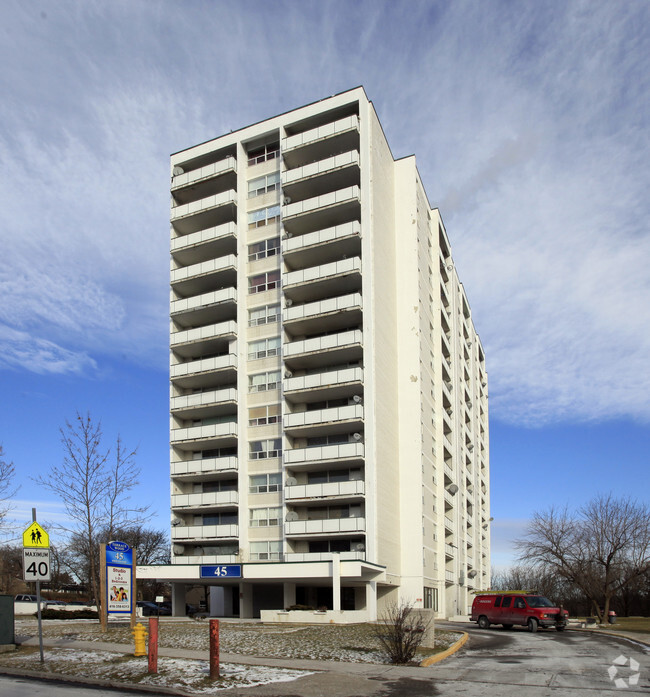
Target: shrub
400, 631
68, 614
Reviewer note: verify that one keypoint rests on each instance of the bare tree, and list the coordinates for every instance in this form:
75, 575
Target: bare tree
7, 490
601, 549
94, 485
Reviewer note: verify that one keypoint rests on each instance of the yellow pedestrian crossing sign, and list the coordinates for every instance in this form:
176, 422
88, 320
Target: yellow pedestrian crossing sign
35, 536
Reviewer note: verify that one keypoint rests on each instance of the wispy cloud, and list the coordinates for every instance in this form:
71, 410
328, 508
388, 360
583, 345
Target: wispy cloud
529, 126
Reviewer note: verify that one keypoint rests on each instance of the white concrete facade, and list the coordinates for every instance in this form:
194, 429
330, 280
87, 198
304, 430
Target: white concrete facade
329, 417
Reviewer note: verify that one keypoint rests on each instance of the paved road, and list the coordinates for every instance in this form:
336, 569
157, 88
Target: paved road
494, 663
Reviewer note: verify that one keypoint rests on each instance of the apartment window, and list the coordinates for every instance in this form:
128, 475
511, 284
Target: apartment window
264, 483
263, 249
333, 476
263, 416
335, 512
264, 281
430, 598
263, 216
265, 517
321, 546
261, 449
263, 185
219, 519
333, 439
222, 485
264, 315
217, 452
264, 348
263, 551
263, 153
264, 381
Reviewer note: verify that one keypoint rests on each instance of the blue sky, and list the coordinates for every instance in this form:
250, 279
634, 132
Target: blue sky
529, 122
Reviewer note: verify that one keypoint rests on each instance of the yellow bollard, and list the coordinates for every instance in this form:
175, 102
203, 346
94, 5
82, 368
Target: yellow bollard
140, 634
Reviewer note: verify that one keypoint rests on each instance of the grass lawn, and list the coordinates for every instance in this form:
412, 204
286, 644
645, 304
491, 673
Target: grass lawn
633, 624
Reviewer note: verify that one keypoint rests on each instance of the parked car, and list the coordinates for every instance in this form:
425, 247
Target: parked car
55, 603
148, 608
525, 608
23, 598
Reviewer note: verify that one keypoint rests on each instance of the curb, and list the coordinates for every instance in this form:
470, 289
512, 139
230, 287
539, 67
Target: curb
607, 632
446, 653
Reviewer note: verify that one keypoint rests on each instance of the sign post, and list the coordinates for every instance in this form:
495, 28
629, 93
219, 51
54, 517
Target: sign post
36, 565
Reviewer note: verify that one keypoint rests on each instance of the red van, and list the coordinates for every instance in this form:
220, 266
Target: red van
526, 608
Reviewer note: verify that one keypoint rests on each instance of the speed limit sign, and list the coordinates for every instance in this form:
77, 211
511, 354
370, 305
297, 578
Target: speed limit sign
36, 564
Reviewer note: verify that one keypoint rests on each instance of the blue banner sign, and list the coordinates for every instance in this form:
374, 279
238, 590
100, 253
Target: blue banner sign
224, 571
119, 554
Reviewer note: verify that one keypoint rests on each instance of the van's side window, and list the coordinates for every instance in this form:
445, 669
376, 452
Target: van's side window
497, 601
506, 601
519, 602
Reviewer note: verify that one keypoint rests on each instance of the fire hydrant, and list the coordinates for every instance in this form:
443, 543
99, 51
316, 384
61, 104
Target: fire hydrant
140, 634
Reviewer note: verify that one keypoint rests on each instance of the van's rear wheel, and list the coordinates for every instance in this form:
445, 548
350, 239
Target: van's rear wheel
532, 624
483, 622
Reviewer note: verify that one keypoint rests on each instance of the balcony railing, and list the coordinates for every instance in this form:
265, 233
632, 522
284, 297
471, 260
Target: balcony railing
211, 499
204, 466
450, 577
315, 134
333, 198
330, 234
204, 204
202, 399
323, 343
204, 532
204, 268
324, 454
324, 556
205, 300
313, 491
203, 365
318, 273
450, 551
211, 170
322, 307
352, 412
319, 527
323, 380
205, 559
210, 331
228, 429
321, 167
203, 236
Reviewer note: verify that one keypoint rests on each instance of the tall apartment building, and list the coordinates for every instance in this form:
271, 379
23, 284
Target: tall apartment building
329, 414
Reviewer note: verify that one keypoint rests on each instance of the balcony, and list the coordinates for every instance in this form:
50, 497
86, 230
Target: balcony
326, 385
205, 372
200, 533
203, 404
325, 280
205, 244
200, 341
204, 276
449, 523
321, 422
198, 502
205, 309
205, 559
352, 454
342, 347
215, 169
322, 246
341, 312
197, 470
334, 526
323, 176
350, 490
317, 143
450, 551
449, 577
327, 210
212, 436
206, 212
324, 556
